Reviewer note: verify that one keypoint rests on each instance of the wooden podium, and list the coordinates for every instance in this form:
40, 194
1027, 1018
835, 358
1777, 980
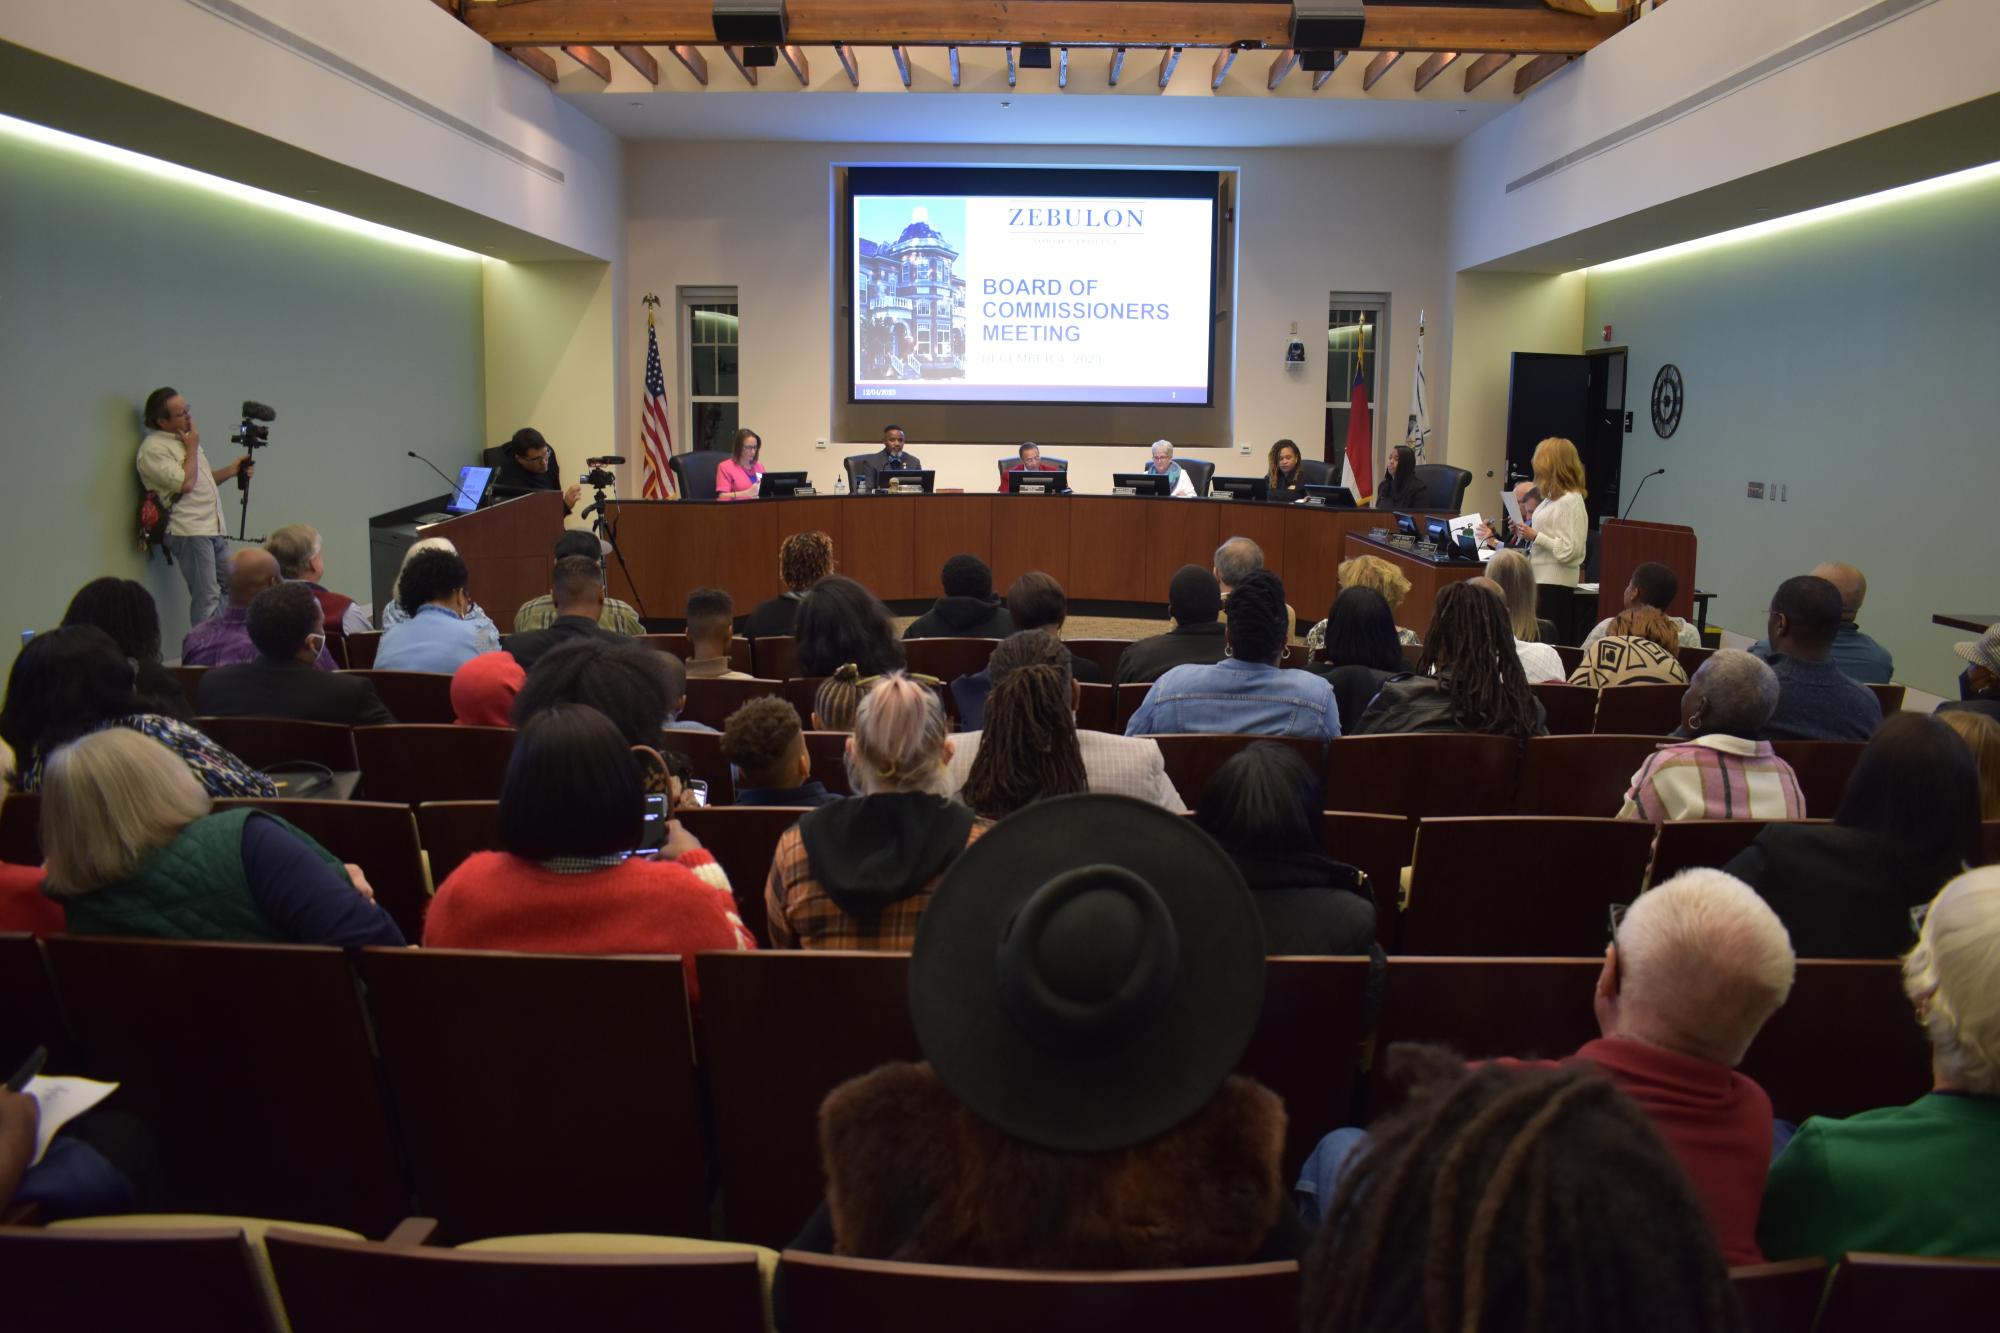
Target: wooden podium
1623, 545
509, 548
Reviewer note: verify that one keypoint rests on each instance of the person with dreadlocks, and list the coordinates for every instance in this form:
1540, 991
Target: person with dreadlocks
1030, 746
1505, 1199
1469, 677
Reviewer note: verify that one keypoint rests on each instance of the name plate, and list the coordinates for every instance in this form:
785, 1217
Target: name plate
1223, 495
1123, 490
804, 490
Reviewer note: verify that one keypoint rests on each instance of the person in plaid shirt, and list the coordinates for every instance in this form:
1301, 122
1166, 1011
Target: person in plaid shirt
857, 874
1718, 773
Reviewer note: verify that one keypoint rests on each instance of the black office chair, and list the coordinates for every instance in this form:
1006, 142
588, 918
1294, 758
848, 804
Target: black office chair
1444, 486
694, 472
1313, 472
852, 466
1199, 473
1010, 460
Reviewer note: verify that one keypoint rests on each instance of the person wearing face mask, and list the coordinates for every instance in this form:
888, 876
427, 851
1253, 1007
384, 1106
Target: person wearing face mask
439, 633
288, 629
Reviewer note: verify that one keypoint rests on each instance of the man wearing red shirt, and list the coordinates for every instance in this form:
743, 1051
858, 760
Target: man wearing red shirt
1031, 461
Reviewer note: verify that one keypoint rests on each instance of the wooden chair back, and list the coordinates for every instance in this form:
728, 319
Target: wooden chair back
1639, 710
451, 831
948, 659
1871, 1292
1572, 709
1843, 1042
189, 679
840, 1015
30, 1014
825, 1294
1104, 652
1422, 774
336, 1286
361, 650
21, 828
712, 701
251, 1063
1692, 658
742, 838
1686, 843
1579, 775
1096, 707
1380, 846
411, 763
1129, 697
264, 741
1192, 760
487, 1054
1478, 887
802, 692
774, 658
1822, 768
1571, 658
683, 647
704, 750
1889, 696
378, 836
133, 1278
413, 696
828, 752
1308, 1046
1779, 1298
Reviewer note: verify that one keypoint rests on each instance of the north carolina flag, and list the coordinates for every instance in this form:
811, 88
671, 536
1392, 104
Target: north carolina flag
1358, 464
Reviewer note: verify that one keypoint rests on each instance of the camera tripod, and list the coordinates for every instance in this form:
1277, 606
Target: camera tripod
607, 531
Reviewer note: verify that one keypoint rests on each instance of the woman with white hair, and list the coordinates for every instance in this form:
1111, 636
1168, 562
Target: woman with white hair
1179, 484
1922, 1178
394, 614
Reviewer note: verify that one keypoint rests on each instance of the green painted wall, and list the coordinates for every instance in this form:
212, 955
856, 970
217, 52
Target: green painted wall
1853, 362
114, 281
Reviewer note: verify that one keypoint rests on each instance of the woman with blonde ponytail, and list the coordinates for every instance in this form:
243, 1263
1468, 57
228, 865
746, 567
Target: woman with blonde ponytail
858, 873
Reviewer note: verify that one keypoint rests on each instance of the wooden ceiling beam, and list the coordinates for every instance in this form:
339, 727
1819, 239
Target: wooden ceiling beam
847, 63
1592, 8
1377, 67
1417, 27
591, 59
639, 58
693, 61
535, 59
796, 58
749, 72
1169, 58
1485, 68
1220, 70
1536, 70
902, 63
1320, 76
1438, 63
1283, 64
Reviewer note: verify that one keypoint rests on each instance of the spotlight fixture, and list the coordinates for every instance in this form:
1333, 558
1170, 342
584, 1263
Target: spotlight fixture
751, 23
759, 57
1326, 25
1037, 55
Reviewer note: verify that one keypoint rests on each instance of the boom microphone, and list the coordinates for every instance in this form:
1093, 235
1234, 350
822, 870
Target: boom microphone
435, 468
612, 460
1656, 472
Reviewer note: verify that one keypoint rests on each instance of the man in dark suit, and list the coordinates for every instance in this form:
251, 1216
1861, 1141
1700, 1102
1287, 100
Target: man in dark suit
892, 458
578, 592
288, 629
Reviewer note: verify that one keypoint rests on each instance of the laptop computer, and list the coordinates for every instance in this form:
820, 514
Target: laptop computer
473, 483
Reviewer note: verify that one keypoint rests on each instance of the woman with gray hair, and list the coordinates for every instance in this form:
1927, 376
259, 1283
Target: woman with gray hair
1916, 1179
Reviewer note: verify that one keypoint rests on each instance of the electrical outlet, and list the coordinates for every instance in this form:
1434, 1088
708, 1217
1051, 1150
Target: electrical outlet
1756, 490
819, 444
1242, 448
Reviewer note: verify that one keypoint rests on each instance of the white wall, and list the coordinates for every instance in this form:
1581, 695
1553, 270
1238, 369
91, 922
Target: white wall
1495, 315
760, 216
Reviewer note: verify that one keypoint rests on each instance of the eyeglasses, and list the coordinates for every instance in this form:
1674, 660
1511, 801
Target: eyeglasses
1617, 914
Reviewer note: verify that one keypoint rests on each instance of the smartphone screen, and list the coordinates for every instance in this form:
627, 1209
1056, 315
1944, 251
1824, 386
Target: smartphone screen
653, 834
697, 791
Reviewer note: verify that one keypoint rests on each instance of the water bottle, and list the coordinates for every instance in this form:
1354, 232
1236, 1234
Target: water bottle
840, 484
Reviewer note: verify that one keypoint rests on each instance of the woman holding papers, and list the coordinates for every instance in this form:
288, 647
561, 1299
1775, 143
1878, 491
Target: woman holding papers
1560, 532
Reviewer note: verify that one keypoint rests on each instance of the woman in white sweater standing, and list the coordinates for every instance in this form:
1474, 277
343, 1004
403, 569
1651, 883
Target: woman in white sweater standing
1561, 532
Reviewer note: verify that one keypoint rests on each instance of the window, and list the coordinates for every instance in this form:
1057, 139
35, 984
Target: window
924, 308
1356, 328
709, 355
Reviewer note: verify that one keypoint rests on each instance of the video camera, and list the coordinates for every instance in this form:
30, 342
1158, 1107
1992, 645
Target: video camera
249, 434
598, 477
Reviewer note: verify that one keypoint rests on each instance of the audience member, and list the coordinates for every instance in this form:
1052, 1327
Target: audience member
577, 593
393, 614
838, 699
968, 609
1979, 683
711, 620
124, 609
540, 612
572, 876
438, 633
1179, 484
804, 558
1082, 991
1034, 602
297, 549
73, 681
288, 630
839, 622
1359, 651
1194, 600
484, 689
1981, 734
1247, 692
134, 848
1263, 808
1400, 487
25, 909
100, 1164
1469, 677
1514, 579
225, 640
1908, 822
1030, 746
763, 740
1817, 701
1916, 1179
1652, 585
859, 872
1501, 1198
1370, 571
1857, 655
1722, 771
1235, 560
1640, 648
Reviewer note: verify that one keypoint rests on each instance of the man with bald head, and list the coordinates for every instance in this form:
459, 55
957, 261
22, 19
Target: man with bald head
225, 639
1858, 656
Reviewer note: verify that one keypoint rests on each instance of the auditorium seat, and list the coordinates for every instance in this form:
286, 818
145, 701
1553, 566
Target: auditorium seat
451, 831
704, 750
1571, 709
1990, 842
948, 659
1096, 707
21, 829
1316, 1005
1890, 697
780, 1030
1379, 846
1822, 768
694, 472
1872, 1292
828, 752
1422, 774
1128, 700
1192, 759
743, 839
1844, 1042
336, 1286
378, 836
361, 649
578, 1071
252, 1066
1444, 487
135, 1277
411, 764
824, 1294
800, 693
1412, 654
1520, 886
682, 647
1580, 775
1779, 1298
1571, 658
712, 701
413, 696
262, 742
189, 679
1104, 652
1639, 710
1692, 658
1685, 843
775, 658
30, 1014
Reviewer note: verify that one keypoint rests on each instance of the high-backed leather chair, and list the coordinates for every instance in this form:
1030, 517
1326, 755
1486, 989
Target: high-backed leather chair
1199, 471
694, 472
1444, 486
1314, 472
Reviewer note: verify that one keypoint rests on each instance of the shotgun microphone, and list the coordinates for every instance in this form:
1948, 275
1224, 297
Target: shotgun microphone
1656, 472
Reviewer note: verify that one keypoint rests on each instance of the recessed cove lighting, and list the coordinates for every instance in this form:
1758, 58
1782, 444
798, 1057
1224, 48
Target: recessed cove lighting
237, 192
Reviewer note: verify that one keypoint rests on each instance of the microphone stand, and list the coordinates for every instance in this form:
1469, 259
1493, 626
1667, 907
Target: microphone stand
1658, 471
449, 483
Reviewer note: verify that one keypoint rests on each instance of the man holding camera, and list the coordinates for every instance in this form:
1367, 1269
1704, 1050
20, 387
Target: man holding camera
530, 465
171, 463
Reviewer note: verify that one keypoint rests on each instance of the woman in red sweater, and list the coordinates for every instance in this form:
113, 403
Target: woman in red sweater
571, 811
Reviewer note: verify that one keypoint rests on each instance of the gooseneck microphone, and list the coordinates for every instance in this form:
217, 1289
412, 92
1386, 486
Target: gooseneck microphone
1656, 472
435, 468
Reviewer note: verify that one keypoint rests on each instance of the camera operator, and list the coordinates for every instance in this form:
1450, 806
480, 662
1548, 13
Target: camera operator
171, 462
530, 465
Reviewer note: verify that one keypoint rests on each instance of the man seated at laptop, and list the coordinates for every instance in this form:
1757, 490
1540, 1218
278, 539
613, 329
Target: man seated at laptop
288, 629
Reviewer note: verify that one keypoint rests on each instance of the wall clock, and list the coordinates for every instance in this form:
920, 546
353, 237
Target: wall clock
1668, 396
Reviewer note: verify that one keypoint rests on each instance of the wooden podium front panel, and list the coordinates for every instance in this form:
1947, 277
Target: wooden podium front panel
1178, 532
509, 550
881, 539
1625, 544
1031, 532
818, 515
1107, 550
1315, 544
1261, 523
949, 525
1426, 578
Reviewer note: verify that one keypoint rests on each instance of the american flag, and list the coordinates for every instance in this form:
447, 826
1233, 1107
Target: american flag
656, 480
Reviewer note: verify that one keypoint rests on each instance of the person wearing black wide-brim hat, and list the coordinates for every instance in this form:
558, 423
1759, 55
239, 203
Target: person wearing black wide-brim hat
1084, 982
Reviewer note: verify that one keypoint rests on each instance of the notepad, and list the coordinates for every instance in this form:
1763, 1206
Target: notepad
62, 1099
